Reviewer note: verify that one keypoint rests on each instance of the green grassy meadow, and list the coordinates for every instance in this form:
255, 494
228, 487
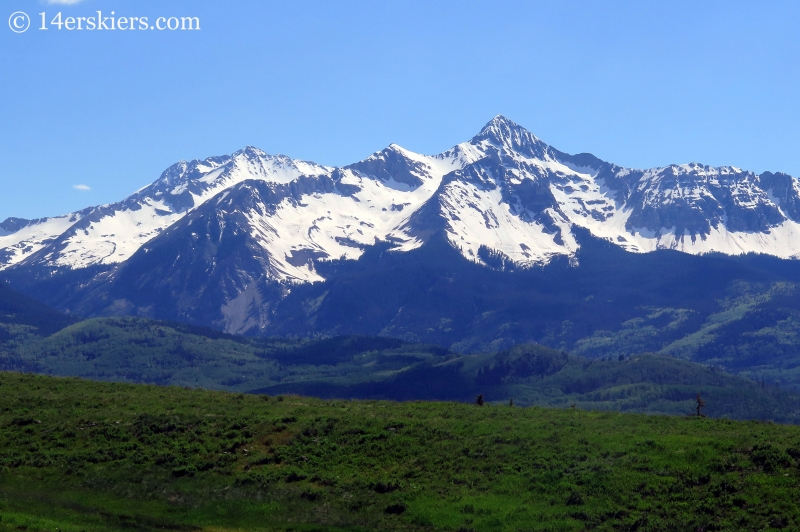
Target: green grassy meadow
80, 455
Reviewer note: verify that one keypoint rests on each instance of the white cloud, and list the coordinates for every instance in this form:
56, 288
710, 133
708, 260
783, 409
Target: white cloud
64, 2
81, 187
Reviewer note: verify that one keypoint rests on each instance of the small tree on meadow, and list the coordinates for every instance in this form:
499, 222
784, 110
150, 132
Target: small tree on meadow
700, 404
479, 400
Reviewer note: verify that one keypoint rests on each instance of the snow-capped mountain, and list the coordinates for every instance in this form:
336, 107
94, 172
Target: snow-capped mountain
110, 234
504, 193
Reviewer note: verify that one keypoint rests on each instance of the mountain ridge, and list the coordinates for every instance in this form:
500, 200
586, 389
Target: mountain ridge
504, 189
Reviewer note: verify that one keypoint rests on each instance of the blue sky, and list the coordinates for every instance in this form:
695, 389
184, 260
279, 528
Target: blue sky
636, 83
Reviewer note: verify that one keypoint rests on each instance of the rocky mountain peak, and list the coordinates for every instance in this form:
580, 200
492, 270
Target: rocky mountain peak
509, 137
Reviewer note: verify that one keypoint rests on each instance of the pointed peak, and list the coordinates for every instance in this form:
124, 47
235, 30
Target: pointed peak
501, 121
501, 129
251, 152
398, 149
502, 132
389, 151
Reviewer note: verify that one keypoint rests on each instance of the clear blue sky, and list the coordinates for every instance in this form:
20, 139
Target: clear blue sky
636, 83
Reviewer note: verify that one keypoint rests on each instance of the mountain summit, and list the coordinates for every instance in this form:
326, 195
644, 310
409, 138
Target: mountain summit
506, 134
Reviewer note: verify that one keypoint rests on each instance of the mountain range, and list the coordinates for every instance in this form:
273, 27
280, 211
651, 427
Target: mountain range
502, 239
504, 191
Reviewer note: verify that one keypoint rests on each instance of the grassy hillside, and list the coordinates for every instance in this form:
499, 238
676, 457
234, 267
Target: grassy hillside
81, 455
146, 351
